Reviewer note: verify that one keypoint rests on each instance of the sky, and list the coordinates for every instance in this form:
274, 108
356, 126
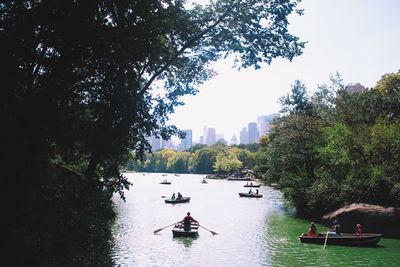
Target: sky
360, 39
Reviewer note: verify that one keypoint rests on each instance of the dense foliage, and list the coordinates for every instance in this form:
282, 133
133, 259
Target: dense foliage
220, 159
86, 81
336, 147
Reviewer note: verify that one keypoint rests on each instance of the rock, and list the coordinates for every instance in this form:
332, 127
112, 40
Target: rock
373, 218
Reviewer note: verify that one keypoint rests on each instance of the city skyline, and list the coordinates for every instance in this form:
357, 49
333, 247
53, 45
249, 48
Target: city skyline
346, 44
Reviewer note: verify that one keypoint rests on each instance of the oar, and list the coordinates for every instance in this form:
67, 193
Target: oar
158, 230
326, 239
214, 233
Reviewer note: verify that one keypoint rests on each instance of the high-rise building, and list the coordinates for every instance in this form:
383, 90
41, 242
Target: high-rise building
211, 136
155, 143
234, 140
355, 88
254, 136
264, 123
244, 136
219, 137
187, 141
205, 132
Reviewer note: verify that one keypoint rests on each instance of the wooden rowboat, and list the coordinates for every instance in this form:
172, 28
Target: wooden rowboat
178, 230
165, 182
250, 195
344, 239
177, 200
252, 185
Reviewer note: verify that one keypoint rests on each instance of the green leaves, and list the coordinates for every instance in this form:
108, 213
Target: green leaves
332, 151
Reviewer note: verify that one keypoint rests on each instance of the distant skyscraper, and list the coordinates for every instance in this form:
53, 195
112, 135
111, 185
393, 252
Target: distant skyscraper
234, 140
211, 137
166, 144
187, 141
220, 137
155, 143
264, 123
201, 140
205, 132
355, 88
254, 136
244, 136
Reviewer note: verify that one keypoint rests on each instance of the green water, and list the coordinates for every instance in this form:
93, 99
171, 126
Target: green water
251, 232
282, 230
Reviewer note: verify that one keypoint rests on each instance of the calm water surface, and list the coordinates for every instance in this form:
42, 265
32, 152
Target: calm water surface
251, 232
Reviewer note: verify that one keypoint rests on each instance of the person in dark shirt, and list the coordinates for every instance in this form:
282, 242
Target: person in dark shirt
187, 222
336, 227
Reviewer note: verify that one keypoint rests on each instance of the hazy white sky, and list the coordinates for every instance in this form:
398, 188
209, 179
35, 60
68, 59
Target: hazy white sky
360, 39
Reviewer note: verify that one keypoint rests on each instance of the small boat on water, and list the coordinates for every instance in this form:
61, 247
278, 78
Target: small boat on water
234, 178
252, 185
178, 230
344, 239
204, 181
250, 195
177, 200
165, 182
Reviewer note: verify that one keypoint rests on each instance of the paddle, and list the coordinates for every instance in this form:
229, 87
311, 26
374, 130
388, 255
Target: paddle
326, 239
158, 230
214, 233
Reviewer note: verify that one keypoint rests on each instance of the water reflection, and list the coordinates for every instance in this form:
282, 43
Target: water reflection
185, 241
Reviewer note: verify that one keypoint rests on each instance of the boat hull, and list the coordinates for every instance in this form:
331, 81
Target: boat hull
175, 201
343, 239
250, 195
178, 231
254, 185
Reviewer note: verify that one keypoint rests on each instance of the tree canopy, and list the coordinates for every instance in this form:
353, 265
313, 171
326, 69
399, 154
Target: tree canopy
343, 150
86, 81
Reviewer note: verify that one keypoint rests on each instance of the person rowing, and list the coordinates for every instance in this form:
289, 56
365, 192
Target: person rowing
187, 222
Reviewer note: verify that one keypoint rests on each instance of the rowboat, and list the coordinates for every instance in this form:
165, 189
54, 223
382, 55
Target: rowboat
165, 182
250, 195
177, 200
204, 182
344, 239
178, 230
252, 185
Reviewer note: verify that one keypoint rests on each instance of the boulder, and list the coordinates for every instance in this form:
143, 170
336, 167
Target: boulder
373, 218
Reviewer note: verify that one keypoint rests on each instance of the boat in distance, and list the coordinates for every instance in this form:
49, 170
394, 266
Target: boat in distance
250, 195
344, 239
178, 230
252, 185
165, 182
177, 200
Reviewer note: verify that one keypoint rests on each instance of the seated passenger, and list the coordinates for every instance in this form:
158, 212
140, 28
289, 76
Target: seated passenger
312, 230
358, 229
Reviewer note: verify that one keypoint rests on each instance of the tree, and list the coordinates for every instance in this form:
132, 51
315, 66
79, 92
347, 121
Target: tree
297, 101
87, 81
85, 71
227, 161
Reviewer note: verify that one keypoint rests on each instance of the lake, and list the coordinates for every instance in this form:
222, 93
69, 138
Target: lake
251, 232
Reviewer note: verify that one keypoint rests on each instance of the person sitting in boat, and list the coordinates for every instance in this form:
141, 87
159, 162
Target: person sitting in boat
251, 183
250, 191
358, 229
312, 230
173, 196
187, 222
336, 227
179, 196
256, 191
